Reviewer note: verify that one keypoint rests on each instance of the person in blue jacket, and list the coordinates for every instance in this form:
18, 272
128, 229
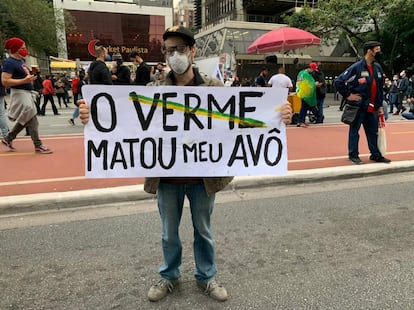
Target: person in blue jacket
361, 84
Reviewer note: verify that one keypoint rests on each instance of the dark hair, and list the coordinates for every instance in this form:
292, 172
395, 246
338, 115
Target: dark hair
134, 54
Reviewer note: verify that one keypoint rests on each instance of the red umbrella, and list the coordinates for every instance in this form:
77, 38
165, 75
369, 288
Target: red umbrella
282, 39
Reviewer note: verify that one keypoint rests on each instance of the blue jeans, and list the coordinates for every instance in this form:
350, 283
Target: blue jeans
75, 112
170, 205
4, 129
408, 115
370, 123
393, 101
320, 116
304, 110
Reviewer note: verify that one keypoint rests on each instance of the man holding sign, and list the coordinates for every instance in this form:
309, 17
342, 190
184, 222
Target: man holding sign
179, 50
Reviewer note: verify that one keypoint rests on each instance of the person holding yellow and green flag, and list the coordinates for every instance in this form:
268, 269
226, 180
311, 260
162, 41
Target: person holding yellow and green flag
306, 91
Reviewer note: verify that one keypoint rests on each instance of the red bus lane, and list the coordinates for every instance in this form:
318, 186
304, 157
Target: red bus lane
318, 146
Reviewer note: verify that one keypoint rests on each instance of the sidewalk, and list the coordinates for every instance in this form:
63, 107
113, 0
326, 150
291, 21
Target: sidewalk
327, 165
83, 198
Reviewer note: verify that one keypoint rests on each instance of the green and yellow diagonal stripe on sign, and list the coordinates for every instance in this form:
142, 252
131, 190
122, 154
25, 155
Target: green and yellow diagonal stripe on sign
247, 122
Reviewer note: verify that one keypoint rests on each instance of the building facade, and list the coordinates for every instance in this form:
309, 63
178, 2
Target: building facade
185, 14
122, 26
225, 28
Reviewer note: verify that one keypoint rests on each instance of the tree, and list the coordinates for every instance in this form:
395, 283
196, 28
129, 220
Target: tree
33, 21
390, 22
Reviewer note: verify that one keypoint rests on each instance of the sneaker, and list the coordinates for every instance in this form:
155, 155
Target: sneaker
72, 122
43, 149
8, 144
214, 290
161, 289
356, 160
381, 159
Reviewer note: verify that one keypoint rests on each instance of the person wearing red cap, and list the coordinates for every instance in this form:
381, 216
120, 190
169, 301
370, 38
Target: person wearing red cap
319, 78
16, 76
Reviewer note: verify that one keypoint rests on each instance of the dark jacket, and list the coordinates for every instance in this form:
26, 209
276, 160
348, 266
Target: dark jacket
357, 80
211, 184
403, 85
318, 76
98, 73
142, 76
123, 75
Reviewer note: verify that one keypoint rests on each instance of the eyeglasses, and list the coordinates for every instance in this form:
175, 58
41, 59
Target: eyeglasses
171, 49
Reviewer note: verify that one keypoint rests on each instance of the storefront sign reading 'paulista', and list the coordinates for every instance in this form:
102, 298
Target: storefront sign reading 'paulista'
140, 131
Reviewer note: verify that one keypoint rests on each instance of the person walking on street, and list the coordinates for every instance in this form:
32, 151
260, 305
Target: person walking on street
319, 78
74, 85
143, 73
393, 94
22, 110
79, 85
362, 85
60, 92
403, 84
48, 92
179, 50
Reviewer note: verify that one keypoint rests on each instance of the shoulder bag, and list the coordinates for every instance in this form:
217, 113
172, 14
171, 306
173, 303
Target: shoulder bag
350, 114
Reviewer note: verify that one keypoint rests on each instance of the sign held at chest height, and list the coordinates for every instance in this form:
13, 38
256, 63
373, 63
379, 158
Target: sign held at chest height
139, 131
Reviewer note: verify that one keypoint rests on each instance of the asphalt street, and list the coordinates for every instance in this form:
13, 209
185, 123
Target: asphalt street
332, 245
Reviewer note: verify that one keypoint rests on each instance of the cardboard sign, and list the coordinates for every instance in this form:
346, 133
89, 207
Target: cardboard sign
140, 131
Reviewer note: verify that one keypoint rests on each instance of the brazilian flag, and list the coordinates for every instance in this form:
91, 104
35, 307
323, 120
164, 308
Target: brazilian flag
306, 88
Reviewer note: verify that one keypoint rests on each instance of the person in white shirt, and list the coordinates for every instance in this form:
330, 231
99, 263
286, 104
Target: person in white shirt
281, 79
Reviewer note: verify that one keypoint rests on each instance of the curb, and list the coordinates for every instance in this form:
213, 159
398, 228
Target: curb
83, 198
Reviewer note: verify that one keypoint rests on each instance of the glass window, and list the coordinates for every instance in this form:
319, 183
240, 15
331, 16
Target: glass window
119, 33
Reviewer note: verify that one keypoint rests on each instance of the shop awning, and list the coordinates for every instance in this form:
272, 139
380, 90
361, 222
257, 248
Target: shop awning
63, 64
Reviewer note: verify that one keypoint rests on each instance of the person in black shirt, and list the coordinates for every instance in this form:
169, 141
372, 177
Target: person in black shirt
98, 72
142, 75
261, 79
122, 74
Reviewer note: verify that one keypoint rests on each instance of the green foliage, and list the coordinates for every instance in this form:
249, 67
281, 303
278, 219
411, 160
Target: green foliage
33, 21
390, 22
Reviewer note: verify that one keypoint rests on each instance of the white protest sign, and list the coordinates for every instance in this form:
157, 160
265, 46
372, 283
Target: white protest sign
143, 131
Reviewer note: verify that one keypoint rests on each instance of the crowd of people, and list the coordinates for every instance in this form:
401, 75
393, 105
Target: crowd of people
310, 80
399, 94
362, 85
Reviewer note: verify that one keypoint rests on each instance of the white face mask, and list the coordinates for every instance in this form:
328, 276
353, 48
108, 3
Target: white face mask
179, 63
